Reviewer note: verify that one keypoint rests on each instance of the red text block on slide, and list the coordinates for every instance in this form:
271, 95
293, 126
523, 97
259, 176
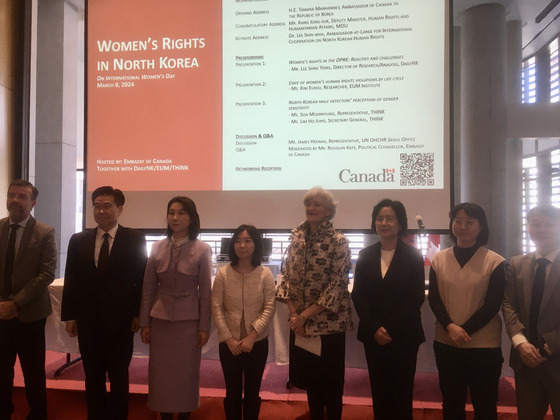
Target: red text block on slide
154, 94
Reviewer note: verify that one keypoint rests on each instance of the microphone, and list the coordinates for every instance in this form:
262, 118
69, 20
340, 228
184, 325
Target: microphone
421, 226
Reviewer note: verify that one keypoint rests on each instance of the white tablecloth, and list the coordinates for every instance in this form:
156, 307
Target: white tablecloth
57, 339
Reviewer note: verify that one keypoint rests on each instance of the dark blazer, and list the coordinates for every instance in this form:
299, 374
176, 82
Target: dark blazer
392, 302
111, 299
34, 268
517, 303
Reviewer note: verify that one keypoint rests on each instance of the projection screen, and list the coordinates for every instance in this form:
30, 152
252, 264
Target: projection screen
243, 105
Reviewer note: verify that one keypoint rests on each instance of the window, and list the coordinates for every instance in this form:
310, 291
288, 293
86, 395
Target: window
554, 72
530, 198
555, 177
541, 170
528, 81
280, 242
541, 184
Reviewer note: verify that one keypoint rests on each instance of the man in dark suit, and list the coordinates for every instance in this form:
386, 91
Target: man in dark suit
532, 316
27, 264
101, 301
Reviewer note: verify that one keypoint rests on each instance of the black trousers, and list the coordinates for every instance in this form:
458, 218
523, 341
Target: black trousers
106, 354
25, 340
321, 376
243, 373
474, 369
391, 374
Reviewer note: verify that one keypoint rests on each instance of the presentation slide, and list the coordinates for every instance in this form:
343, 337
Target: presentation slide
244, 104
342, 91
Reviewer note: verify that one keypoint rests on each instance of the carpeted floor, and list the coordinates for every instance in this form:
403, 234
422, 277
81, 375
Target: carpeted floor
70, 405
67, 400
356, 390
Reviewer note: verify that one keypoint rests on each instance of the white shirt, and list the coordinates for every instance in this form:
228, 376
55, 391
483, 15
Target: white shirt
386, 258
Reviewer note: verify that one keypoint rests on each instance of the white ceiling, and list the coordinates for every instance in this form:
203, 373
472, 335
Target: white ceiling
535, 35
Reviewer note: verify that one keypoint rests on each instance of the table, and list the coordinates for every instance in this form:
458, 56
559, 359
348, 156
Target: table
58, 340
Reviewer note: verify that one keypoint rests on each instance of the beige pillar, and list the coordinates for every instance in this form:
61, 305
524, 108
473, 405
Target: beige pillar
514, 148
483, 116
57, 110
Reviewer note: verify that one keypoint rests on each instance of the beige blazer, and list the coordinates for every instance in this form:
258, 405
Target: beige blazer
34, 268
246, 297
517, 302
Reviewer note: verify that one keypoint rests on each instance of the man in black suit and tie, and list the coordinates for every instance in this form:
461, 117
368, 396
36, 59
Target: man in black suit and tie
532, 316
27, 265
101, 301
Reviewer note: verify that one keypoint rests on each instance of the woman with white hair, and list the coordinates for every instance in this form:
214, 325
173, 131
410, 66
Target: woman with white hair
315, 288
